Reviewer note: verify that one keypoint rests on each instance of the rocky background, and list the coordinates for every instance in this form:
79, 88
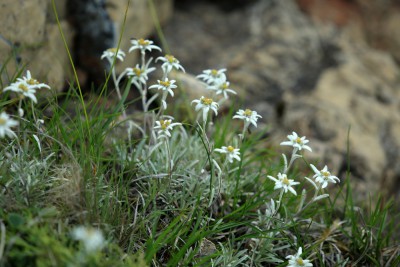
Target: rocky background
327, 69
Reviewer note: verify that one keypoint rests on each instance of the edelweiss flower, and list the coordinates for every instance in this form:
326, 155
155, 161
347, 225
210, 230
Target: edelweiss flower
213, 76
112, 53
297, 261
222, 88
324, 176
230, 151
33, 83
5, 125
164, 126
23, 89
139, 75
143, 45
92, 238
166, 85
206, 104
170, 62
249, 116
284, 183
296, 142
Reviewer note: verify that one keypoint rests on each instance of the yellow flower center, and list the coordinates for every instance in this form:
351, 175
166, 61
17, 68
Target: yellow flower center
300, 261
165, 84
224, 86
285, 181
170, 58
143, 42
112, 50
2, 121
298, 140
32, 82
248, 112
206, 101
137, 71
214, 72
23, 87
326, 174
230, 149
165, 124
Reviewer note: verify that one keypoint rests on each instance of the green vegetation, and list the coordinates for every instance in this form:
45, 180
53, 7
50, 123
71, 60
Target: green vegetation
92, 186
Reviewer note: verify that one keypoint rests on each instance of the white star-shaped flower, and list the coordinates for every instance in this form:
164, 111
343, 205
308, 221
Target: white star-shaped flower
324, 176
170, 62
230, 151
33, 83
222, 88
284, 183
249, 116
92, 239
166, 86
297, 261
139, 75
23, 89
297, 142
112, 53
5, 125
213, 76
142, 45
164, 126
206, 104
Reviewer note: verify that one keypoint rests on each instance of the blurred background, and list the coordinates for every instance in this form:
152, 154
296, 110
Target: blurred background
327, 69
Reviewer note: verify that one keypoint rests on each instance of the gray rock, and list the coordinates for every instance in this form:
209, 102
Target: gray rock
305, 77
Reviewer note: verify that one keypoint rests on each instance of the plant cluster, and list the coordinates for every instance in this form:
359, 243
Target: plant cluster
199, 193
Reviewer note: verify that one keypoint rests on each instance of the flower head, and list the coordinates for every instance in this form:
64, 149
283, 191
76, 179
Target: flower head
139, 75
31, 82
249, 116
297, 142
297, 261
284, 183
324, 176
5, 125
23, 89
164, 126
92, 239
230, 151
206, 104
112, 53
143, 45
213, 76
166, 86
222, 88
170, 62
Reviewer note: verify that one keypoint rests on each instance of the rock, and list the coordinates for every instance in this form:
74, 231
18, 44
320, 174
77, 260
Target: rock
140, 22
31, 34
306, 76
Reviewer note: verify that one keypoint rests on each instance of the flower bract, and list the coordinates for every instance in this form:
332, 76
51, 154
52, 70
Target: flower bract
297, 142
297, 261
164, 126
6, 123
170, 62
143, 45
112, 53
324, 176
205, 104
249, 116
231, 152
213, 76
92, 239
284, 183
